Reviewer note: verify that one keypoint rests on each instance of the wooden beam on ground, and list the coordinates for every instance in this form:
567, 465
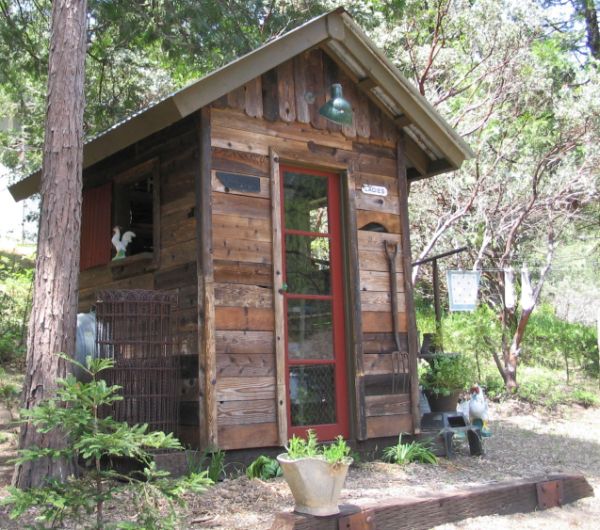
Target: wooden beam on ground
416, 513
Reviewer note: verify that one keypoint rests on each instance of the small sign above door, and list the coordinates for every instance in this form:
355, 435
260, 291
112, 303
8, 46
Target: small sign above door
371, 189
240, 183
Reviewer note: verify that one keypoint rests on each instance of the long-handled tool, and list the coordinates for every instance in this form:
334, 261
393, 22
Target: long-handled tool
399, 358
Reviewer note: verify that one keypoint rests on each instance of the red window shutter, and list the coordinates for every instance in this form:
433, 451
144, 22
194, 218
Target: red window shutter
95, 226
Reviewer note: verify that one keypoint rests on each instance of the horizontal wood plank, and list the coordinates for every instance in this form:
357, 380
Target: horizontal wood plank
379, 281
246, 412
247, 436
387, 405
241, 295
245, 364
393, 425
383, 342
232, 226
376, 322
240, 162
244, 388
244, 319
390, 221
245, 342
244, 273
240, 205
243, 250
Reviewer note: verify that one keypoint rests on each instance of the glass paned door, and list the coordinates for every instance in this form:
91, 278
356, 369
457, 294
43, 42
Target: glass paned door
314, 303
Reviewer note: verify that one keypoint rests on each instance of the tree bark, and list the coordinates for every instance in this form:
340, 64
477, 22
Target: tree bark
587, 9
52, 323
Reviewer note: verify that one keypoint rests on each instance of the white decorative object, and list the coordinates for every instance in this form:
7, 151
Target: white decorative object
509, 288
463, 287
371, 189
120, 243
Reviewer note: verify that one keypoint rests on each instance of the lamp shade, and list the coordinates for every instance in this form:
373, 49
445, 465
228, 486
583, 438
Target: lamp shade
337, 109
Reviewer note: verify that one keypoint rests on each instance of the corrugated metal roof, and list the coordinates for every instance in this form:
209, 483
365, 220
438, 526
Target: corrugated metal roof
346, 43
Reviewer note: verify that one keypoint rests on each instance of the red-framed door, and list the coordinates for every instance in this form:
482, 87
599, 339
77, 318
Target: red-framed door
313, 303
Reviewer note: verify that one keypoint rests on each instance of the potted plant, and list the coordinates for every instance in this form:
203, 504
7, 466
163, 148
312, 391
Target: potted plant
443, 378
315, 473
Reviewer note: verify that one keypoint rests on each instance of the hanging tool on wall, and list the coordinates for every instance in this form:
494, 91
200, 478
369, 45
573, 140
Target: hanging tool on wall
400, 380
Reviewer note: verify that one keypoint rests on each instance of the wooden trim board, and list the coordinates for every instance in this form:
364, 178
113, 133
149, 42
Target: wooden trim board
416, 513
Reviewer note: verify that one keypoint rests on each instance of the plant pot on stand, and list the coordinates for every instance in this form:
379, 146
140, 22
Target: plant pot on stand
315, 483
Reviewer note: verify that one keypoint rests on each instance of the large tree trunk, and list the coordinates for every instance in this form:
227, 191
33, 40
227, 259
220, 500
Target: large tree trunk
53, 316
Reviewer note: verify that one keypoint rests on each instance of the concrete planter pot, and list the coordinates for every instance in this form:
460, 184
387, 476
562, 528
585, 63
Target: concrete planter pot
315, 483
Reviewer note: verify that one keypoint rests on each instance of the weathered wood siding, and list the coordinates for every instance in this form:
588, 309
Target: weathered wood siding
272, 112
175, 150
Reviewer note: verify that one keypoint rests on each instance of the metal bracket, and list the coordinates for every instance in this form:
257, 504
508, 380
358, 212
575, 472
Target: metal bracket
549, 494
363, 520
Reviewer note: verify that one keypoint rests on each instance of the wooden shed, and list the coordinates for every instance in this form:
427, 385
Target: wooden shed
270, 223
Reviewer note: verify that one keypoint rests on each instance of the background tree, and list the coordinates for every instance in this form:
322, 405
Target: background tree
53, 316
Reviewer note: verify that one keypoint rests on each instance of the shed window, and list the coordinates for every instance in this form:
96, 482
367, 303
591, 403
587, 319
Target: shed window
131, 202
136, 207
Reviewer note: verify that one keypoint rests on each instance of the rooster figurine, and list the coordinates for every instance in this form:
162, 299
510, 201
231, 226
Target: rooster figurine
120, 243
478, 410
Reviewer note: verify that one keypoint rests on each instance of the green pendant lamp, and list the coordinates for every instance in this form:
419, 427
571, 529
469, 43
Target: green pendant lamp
337, 109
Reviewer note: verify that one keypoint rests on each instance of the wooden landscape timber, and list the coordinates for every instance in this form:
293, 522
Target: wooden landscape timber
205, 166
427, 511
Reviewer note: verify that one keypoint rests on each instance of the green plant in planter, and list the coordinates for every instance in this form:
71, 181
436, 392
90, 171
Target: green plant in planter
446, 374
333, 453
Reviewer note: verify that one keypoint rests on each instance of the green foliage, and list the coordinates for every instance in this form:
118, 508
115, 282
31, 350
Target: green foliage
301, 448
585, 398
404, 453
10, 392
216, 467
264, 468
447, 373
551, 342
16, 277
96, 440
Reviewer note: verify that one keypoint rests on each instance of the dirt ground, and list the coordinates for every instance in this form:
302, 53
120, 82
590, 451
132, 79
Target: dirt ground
525, 444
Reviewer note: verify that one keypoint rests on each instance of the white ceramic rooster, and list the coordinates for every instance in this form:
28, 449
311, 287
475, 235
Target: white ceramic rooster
120, 243
478, 409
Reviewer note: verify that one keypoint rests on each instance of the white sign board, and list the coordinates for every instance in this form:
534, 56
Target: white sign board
371, 189
463, 287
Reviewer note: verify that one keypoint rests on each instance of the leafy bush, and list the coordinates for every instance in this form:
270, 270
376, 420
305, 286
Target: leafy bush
16, 277
585, 398
264, 468
96, 439
402, 453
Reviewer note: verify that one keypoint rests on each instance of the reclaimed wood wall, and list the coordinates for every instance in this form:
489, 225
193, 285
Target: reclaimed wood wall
175, 148
272, 112
269, 112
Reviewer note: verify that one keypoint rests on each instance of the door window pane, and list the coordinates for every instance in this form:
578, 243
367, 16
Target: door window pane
312, 395
310, 329
305, 198
307, 264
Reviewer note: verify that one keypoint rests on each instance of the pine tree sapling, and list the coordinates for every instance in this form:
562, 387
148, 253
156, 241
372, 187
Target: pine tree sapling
93, 440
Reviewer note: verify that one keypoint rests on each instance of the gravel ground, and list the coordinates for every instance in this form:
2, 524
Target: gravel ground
525, 444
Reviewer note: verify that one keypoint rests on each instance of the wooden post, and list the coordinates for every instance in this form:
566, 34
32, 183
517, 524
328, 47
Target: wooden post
436, 306
207, 357
282, 430
353, 294
408, 288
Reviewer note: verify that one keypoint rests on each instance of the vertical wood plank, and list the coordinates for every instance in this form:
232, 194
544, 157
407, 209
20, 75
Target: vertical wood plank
362, 120
316, 85
285, 91
207, 361
156, 213
254, 102
302, 110
236, 99
330, 76
408, 288
269, 95
375, 121
354, 300
278, 299
349, 131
